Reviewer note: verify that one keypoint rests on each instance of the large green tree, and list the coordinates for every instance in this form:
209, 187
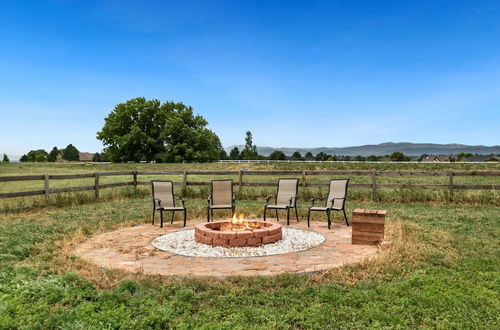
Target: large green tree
141, 129
5, 158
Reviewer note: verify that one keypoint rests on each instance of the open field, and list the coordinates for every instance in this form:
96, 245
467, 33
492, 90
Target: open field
442, 271
477, 197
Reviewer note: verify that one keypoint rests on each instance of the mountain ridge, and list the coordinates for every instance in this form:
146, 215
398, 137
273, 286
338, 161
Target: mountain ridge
386, 148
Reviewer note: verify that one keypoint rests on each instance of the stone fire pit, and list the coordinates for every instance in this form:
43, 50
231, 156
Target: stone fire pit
244, 233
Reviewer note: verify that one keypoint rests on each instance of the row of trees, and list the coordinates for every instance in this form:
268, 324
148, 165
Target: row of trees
69, 153
235, 154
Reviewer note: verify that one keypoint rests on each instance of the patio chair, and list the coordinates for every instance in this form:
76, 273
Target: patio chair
335, 200
164, 200
221, 197
285, 198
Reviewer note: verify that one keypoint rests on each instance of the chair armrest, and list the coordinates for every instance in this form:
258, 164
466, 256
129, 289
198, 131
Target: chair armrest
293, 200
209, 199
313, 200
158, 200
183, 201
269, 197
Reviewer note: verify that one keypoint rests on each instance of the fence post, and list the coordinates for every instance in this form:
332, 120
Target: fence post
450, 176
374, 185
46, 186
96, 185
135, 180
240, 181
184, 179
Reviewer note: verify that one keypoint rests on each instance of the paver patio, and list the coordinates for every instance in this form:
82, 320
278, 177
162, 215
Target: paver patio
130, 249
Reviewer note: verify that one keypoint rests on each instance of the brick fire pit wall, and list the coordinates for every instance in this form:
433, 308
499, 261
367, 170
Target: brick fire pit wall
208, 233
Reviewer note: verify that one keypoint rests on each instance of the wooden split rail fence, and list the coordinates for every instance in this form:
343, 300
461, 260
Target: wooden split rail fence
373, 185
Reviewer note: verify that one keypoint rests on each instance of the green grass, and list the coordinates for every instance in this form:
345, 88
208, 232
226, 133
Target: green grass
441, 272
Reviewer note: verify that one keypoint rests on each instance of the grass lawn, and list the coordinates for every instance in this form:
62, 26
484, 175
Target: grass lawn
442, 271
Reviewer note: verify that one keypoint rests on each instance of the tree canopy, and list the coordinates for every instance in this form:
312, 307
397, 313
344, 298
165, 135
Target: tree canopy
149, 130
71, 153
52, 157
250, 151
277, 155
5, 158
398, 157
38, 155
296, 155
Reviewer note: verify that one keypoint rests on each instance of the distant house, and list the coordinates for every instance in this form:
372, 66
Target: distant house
439, 159
483, 158
86, 156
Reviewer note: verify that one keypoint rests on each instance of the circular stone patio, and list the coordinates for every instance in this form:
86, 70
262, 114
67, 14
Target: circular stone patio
130, 249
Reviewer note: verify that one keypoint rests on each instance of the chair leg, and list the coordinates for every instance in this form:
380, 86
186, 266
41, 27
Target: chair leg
288, 216
345, 217
328, 216
172, 220
296, 213
265, 211
212, 214
277, 218
153, 221
161, 218
232, 211
185, 217
308, 218
208, 214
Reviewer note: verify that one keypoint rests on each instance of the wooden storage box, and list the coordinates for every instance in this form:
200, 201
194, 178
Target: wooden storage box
368, 226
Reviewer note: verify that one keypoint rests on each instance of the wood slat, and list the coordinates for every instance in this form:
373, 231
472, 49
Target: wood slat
21, 178
214, 172
116, 173
117, 184
68, 189
70, 176
22, 193
160, 172
273, 173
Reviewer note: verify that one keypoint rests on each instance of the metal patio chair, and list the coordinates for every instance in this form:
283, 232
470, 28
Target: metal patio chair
221, 197
285, 198
335, 200
164, 200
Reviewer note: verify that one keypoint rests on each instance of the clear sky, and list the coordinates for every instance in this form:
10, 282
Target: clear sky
295, 73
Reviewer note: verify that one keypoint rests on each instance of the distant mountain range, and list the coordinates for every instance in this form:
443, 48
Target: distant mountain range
409, 149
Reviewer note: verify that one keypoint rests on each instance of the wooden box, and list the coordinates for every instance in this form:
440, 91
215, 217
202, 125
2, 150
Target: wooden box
368, 226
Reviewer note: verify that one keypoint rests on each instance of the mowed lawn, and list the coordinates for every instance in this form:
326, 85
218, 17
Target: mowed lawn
441, 271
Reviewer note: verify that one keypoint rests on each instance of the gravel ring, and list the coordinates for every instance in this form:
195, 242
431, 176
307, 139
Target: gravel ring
182, 242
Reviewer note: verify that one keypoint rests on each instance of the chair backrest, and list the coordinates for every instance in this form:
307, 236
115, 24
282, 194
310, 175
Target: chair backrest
164, 191
338, 189
222, 192
287, 188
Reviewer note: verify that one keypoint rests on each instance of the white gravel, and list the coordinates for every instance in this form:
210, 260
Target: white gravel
182, 242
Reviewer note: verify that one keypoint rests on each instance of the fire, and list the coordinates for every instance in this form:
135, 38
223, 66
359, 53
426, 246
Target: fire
238, 223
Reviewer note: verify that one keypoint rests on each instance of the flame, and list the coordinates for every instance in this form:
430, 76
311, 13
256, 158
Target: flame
238, 222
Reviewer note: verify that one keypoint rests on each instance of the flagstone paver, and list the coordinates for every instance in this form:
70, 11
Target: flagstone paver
130, 249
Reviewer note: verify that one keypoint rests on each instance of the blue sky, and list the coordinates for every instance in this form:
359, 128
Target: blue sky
295, 73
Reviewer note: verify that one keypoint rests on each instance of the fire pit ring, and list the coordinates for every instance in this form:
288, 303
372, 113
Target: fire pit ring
255, 233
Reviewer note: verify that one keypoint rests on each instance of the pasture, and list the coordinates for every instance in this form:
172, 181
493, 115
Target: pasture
441, 270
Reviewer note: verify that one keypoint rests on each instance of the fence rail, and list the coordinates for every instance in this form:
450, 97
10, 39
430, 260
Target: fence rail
241, 183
